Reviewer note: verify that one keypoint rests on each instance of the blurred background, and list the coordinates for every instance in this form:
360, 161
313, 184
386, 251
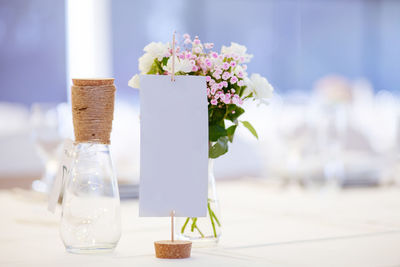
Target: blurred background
334, 121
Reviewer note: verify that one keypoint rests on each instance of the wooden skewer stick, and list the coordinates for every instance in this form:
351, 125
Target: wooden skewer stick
172, 225
173, 58
171, 249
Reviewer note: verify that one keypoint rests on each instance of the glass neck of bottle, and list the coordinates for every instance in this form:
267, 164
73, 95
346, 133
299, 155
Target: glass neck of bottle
87, 150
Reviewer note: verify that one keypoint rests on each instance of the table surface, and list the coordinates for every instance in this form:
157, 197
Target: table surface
263, 225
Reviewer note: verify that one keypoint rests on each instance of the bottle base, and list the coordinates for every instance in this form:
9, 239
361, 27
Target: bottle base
102, 248
200, 242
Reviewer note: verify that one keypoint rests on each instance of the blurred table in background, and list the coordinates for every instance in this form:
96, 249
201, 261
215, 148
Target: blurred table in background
13, 181
263, 225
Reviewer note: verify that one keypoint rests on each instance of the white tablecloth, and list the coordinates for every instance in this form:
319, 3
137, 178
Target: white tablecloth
262, 226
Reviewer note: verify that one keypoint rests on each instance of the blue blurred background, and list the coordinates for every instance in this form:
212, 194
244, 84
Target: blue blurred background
294, 42
334, 65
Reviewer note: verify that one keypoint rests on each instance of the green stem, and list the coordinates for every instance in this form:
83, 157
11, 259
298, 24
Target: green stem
184, 226
194, 221
211, 218
193, 224
216, 219
212, 213
197, 228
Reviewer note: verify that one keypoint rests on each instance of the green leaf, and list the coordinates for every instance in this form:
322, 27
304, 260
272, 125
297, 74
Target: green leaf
216, 131
156, 68
233, 112
231, 131
164, 61
153, 69
219, 148
216, 115
250, 128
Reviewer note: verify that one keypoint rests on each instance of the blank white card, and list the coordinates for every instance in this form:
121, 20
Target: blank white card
173, 146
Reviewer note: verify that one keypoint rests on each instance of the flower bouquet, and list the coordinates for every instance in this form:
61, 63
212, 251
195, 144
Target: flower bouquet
228, 87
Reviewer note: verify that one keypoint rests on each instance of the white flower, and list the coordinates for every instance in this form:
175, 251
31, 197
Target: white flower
247, 90
217, 62
134, 82
237, 49
238, 69
183, 65
157, 50
145, 63
260, 86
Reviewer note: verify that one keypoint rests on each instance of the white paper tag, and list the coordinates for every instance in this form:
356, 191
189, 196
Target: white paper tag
62, 174
173, 146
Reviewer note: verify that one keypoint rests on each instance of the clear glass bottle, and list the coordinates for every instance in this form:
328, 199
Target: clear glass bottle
203, 231
90, 220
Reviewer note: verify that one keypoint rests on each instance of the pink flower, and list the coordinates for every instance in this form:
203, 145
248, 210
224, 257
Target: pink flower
186, 36
197, 50
208, 78
220, 85
233, 63
187, 41
208, 63
225, 66
214, 88
241, 59
234, 79
195, 68
235, 99
233, 91
214, 54
208, 92
240, 74
240, 83
196, 41
227, 100
188, 55
211, 82
225, 84
226, 75
209, 45
192, 62
214, 102
218, 71
182, 56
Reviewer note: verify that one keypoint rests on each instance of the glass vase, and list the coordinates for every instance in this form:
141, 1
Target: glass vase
203, 231
90, 220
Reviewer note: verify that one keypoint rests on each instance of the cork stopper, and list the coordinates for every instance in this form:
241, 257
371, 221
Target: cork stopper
178, 249
93, 82
93, 109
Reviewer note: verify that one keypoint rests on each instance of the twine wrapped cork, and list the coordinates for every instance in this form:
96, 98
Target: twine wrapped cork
93, 109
